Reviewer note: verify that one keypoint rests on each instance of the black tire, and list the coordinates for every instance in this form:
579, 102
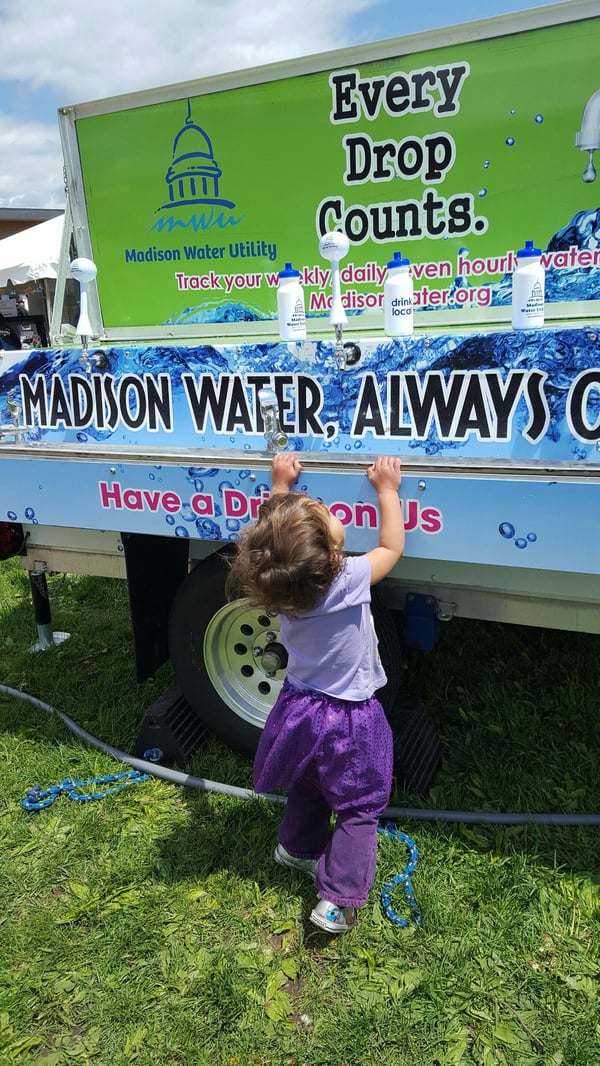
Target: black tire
215, 651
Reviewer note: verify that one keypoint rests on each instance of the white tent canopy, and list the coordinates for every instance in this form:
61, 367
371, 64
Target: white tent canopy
31, 254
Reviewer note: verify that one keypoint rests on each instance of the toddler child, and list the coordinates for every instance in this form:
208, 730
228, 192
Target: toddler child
326, 742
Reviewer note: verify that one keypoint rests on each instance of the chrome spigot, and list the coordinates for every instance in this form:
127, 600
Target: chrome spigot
274, 436
95, 361
14, 409
87, 361
340, 351
84, 358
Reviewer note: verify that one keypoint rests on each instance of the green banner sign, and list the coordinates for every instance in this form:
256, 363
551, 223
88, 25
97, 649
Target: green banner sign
455, 156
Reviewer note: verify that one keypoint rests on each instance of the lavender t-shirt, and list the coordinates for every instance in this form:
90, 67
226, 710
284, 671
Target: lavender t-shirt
333, 648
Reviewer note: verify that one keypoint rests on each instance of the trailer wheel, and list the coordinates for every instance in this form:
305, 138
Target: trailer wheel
217, 650
218, 654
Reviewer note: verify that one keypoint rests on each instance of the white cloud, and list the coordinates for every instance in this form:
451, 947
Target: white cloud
99, 49
104, 48
32, 166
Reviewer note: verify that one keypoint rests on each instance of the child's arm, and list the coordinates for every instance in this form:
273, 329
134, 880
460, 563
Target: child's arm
385, 475
285, 469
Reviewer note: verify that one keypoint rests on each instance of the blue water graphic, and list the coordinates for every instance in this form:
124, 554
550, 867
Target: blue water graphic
508, 531
560, 355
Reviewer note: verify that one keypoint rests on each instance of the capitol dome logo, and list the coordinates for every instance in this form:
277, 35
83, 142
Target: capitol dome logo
193, 175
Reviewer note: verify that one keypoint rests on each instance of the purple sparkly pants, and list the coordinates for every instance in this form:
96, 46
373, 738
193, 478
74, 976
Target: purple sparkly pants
330, 755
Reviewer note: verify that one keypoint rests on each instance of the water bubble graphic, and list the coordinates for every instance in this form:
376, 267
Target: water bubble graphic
513, 110
506, 529
520, 542
82, 437
181, 531
539, 119
510, 141
152, 477
486, 164
205, 471
208, 529
186, 513
532, 537
11, 515
29, 512
482, 192
233, 524
170, 520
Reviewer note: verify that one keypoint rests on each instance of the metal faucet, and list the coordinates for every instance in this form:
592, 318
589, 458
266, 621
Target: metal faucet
14, 410
339, 351
97, 361
274, 435
84, 358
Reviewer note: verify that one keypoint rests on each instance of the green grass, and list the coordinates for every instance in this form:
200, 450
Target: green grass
153, 927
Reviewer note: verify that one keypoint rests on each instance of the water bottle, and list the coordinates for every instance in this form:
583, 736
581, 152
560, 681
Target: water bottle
290, 305
398, 296
528, 285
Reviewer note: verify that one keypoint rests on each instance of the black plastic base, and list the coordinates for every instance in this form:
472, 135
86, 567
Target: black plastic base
417, 748
173, 727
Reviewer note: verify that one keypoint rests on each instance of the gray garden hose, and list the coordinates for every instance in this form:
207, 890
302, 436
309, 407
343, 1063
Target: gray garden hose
176, 777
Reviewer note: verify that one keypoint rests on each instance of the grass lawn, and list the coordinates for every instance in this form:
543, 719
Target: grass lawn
152, 927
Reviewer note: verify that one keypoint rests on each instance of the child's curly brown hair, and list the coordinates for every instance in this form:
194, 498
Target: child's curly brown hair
289, 558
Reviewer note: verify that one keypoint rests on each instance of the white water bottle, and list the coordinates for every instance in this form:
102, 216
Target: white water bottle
528, 287
398, 294
290, 305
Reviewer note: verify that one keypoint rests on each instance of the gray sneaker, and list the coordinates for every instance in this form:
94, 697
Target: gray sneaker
331, 918
305, 866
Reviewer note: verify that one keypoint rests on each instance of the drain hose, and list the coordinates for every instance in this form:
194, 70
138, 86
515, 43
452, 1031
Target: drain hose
176, 777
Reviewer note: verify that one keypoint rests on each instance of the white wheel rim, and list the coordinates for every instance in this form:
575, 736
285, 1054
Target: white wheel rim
233, 644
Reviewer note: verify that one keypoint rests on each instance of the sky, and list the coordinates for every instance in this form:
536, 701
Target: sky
56, 54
